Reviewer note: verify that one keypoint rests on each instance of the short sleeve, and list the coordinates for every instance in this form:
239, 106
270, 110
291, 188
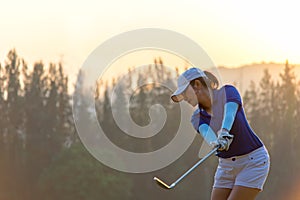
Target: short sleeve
232, 95
195, 120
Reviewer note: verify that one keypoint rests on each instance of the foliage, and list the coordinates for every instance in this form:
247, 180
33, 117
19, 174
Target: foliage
75, 174
42, 158
275, 118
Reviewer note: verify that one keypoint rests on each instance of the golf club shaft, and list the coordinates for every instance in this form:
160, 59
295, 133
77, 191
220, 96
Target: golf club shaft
194, 166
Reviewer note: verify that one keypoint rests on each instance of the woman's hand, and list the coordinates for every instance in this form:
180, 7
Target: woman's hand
224, 140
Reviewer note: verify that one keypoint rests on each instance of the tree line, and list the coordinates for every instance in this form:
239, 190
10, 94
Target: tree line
43, 157
273, 109
35, 122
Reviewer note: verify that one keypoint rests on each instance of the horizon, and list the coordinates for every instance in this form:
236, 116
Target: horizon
137, 59
226, 75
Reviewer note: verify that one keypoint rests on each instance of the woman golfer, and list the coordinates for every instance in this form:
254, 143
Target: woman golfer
220, 119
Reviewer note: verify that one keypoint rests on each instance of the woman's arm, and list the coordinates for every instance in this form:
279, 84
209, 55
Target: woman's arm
207, 133
230, 110
224, 137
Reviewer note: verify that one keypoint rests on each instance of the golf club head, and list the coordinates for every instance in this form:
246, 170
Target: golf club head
162, 184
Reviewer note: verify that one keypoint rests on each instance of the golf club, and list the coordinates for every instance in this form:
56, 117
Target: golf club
166, 186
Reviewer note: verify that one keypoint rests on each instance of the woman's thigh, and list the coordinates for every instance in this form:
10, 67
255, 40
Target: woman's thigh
241, 192
220, 193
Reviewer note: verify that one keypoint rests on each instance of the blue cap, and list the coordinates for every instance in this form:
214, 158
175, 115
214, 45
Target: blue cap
184, 80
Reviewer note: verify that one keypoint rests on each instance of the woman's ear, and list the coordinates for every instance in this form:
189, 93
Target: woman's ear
198, 85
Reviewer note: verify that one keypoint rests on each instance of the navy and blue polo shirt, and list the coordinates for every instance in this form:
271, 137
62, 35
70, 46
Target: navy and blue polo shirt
245, 140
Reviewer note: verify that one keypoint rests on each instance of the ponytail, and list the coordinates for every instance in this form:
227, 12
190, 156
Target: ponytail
213, 82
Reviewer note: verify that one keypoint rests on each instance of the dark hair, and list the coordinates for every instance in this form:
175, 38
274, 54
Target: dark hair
209, 81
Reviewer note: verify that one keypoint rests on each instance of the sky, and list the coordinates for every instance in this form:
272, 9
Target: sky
233, 33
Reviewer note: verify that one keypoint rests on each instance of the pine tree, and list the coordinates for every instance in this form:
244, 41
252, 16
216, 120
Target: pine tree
285, 132
3, 117
14, 130
4, 161
52, 133
35, 126
267, 108
65, 117
252, 106
287, 95
58, 109
297, 119
14, 101
80, 105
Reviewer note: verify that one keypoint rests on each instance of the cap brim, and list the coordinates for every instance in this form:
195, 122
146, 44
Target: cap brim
177, 95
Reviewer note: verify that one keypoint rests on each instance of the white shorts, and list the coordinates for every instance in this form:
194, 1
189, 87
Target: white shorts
250, 170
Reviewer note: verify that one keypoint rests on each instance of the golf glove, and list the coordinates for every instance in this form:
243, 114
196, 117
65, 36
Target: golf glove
224, 140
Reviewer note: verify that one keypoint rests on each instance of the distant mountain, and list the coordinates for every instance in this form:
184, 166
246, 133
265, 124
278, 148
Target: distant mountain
242, 76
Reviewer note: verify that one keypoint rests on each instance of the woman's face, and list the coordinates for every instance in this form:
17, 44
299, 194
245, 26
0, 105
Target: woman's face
197, 94
190, 96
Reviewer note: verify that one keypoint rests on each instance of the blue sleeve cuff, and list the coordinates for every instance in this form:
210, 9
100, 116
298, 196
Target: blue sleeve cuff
207, 133
230, 110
